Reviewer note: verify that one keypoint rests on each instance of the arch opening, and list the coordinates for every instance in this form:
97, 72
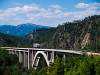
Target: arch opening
40, 55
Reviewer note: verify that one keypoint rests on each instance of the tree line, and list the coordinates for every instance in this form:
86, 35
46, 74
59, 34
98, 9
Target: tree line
71, 65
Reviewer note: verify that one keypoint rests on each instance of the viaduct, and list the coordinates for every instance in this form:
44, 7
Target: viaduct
30, 56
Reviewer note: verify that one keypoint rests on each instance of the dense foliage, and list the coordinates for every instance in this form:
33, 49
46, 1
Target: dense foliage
71, 65
86, 65
13, 41
9, 65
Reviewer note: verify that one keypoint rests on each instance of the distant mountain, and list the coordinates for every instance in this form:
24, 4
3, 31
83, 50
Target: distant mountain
20, 30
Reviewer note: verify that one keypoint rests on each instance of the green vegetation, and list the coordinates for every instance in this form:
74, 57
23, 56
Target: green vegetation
70, 35
86, 65
9, 64
13, 41
73, 65
42, 36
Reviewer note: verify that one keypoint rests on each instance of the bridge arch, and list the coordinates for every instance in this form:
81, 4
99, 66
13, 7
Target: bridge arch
43, 54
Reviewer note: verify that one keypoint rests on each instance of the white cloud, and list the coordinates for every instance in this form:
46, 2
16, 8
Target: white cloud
30, 8
53, 15
82, 5
88, 6
82, 14
56, 6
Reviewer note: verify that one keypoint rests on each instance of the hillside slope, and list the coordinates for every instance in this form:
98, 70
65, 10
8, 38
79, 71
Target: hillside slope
42, 36
71, 34
12, 41
80, 34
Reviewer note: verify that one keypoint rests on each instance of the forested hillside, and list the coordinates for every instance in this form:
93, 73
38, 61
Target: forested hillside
75, 34
13, 41
42, 36
80, 34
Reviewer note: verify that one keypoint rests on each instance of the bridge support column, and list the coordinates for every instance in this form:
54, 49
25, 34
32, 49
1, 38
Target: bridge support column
64, 58
52, 56
28, 59
25, 59
20, 57
31, 57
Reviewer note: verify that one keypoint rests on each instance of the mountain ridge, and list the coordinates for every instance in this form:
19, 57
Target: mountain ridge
21, 29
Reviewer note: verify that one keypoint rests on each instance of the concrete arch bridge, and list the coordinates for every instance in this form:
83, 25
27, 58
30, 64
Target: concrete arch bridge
30, 56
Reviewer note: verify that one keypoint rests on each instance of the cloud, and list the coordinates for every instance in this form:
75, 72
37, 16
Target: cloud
52, 15
82, 5
56, 6
82, 14
23, 9
88, 6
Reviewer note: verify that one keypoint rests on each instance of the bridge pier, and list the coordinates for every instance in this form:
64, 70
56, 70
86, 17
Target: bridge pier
25, 59
28, 59
64, 58
52, 56
20, 56
32, 56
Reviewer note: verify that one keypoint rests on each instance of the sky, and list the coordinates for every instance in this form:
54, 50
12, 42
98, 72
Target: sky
46, 12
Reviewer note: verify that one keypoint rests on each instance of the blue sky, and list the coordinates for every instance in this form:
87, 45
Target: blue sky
46, 12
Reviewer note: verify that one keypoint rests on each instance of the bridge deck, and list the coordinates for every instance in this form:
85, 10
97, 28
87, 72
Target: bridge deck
39, 49
55, 50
